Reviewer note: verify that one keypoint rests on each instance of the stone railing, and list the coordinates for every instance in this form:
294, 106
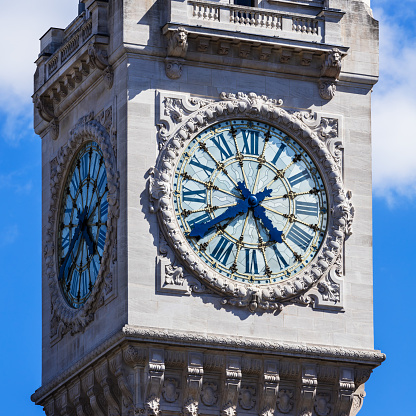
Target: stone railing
206, 11
248, 16
69, 47
253, 20
305, 25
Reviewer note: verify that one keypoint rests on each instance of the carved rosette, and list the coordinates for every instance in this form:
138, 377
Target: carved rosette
64, 318
267, 297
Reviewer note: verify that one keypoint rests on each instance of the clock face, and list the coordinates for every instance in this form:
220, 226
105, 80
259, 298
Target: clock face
250, 202
83, 225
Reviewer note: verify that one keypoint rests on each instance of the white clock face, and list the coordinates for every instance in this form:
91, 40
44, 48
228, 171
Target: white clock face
250, 201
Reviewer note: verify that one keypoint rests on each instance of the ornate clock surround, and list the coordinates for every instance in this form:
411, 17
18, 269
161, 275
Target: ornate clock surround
64, 318
324, 270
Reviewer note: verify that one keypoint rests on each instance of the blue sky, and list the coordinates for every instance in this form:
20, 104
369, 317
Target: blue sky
394, 179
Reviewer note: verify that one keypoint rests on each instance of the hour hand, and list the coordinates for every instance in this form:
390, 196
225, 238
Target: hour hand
275, 234
201, 229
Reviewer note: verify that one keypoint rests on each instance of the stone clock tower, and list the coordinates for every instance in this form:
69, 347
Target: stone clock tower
207, 245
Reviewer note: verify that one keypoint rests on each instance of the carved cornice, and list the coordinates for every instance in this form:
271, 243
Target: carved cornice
320, 62
64, 318
108, 379
187, 339
319, 136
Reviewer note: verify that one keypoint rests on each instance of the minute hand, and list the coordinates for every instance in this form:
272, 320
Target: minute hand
201, 229
275, 234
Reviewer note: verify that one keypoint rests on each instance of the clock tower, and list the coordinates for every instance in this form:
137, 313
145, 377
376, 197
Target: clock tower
207, 239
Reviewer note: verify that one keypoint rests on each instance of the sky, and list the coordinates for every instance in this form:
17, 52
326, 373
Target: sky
390, 388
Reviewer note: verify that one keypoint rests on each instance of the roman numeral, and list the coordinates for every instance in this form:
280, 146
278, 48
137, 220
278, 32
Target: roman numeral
251, 262
222, 145
306, 208
299, 177
104, 208
194, 196
74, 283
94, 266
84, 167
250, 147
94, 165
75, 181
102, 181
301, 238
84, 283
280, 259
101, 238
197, 220
279, 152
222, 250
194, 161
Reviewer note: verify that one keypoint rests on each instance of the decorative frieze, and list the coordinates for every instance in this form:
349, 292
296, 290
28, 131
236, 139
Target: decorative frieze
113, 384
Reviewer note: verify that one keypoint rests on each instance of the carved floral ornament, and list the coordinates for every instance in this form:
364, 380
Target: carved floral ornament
257, 108
64, 318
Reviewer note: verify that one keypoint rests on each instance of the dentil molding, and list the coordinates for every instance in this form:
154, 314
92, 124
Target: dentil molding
65, 319
182, 117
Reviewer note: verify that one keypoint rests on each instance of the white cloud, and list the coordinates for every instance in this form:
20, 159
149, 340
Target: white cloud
21, 26
394, 110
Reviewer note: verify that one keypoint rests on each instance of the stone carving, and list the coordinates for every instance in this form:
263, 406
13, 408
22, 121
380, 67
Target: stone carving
247, 397
209, 393
265, 53
44, 107
99, 59
330, 70
174, 275
285, 401
331, 67
121, 380
177, 47
178, 42
268, 297
170, 390
223, 48
173, 69
173, 111
322, 404
63, 318
193, 384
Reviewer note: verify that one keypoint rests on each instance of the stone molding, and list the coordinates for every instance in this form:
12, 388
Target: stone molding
190, 44
319, 136
65, 319
181, 378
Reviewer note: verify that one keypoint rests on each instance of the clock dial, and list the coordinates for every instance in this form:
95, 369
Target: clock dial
250, 201
83, 225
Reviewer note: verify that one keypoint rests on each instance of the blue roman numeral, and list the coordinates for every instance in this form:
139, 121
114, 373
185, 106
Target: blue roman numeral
75, 181
299, 177
301, 238
101, 238
306, 208
280, 259
194, 196
84, 166
104, 208
251, 262
94, 266
197, 220
222, 145
279, 152
222, 250
194, 161
102, 181
250, 147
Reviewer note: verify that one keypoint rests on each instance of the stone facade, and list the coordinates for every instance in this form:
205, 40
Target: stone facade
135, 76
